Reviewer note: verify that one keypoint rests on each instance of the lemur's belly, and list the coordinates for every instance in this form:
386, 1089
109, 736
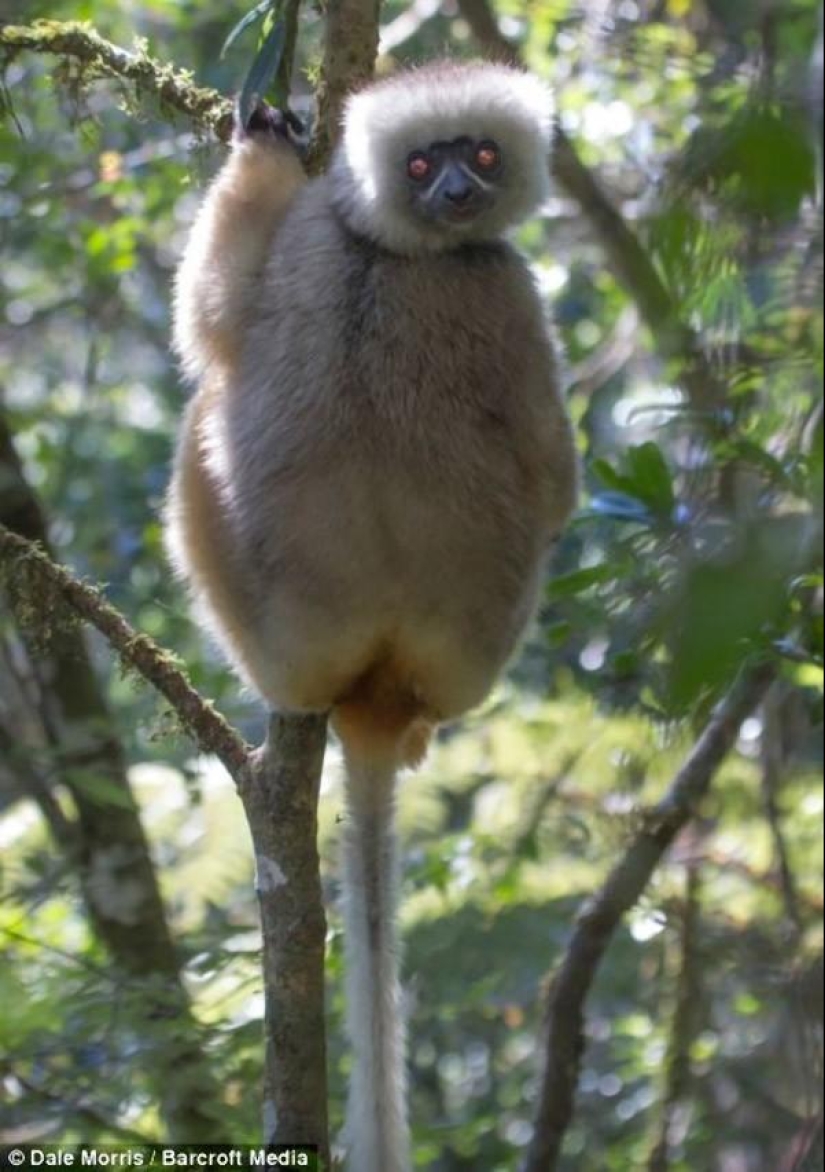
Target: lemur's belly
439, 578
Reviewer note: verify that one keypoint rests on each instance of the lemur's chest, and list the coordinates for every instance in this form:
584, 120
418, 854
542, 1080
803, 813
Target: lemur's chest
420, 330
415, 358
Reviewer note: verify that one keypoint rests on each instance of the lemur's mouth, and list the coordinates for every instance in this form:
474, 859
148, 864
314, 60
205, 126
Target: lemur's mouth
461, 213
467, 212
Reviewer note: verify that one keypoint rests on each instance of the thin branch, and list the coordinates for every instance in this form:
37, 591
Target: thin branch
684, 1026
29, 782
116, 980
773, 775
484, 26
812, 901
407, 25
76, 1108
595, 371
805, 1151
32, 567
601, 915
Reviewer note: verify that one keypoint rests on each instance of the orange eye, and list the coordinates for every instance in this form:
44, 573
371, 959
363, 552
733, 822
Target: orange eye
418, 167
487, 157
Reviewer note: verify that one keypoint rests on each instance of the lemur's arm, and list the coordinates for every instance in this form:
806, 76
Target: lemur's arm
218, 279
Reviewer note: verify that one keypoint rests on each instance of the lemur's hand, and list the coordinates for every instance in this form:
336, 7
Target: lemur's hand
266, 121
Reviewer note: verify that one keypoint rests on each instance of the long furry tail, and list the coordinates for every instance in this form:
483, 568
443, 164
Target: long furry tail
377, 1128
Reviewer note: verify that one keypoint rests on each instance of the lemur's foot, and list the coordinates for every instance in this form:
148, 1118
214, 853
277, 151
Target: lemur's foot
266, 121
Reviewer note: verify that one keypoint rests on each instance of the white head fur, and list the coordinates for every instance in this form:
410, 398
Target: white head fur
444, 101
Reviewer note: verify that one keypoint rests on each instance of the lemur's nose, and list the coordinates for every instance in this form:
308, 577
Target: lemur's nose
458, 192
457, 186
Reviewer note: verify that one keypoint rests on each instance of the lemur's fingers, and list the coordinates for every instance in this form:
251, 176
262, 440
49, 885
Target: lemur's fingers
268, 121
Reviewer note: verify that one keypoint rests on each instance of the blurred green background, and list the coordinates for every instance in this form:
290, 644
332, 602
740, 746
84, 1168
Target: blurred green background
702, 119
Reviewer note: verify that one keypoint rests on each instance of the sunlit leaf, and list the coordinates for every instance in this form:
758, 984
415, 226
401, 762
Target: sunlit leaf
577, 582
621, 507
649, 474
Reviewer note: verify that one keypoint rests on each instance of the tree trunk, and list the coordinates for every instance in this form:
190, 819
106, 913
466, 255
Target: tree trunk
280, 797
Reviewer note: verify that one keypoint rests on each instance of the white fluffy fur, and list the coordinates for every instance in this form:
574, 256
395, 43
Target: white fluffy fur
377, 1132
407, 112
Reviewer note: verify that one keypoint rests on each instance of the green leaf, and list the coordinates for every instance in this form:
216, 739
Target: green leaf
263, 71
770, 161
644, 476
577, 582
727, 610
626, 664
649, 474
611, 478
257, 13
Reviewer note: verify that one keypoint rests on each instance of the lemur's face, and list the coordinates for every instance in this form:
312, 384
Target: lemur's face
452, 183
444, 156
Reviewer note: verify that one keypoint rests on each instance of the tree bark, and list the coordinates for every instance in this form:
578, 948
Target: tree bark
350, 48
280, 797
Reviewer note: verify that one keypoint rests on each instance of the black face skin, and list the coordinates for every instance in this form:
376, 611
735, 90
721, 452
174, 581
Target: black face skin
454, 182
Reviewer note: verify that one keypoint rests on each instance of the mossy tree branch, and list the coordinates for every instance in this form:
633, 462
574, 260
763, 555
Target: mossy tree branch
98, 58
40, 586
351, 45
